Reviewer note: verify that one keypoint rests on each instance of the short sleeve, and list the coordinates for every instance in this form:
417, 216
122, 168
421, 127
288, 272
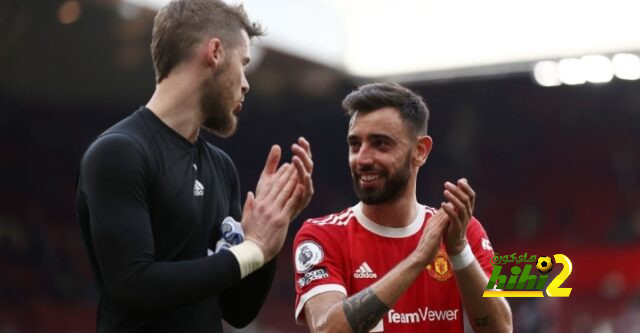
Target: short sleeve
318, 265
480, 245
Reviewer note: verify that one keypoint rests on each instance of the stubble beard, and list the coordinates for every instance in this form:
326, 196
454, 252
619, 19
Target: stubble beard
392, 189
219, 117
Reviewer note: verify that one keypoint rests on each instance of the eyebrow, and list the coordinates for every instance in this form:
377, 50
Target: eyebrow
373, 136
381, 137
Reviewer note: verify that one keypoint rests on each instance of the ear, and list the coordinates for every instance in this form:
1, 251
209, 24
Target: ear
214, 53
423, 148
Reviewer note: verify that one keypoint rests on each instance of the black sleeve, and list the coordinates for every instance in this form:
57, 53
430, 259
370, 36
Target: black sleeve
241, 303
114, 181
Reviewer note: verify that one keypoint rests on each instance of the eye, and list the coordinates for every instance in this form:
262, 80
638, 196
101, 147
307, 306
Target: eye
381, 144
354, 146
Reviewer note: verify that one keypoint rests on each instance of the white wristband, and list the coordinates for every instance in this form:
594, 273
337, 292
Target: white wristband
249, 256
462, 259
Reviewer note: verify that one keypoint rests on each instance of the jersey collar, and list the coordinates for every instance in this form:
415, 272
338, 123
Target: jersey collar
174, 136
384, 231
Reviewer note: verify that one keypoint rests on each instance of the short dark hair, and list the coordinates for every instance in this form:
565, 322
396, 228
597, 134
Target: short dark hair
375, 96
181, 24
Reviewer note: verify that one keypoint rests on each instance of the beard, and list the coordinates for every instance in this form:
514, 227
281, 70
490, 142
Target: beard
393, 187
215, 102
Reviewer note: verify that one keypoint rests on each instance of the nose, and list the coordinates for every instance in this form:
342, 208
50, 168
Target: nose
245, 85
364, 156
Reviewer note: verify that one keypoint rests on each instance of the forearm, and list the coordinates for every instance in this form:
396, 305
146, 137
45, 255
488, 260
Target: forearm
486, 314
241, 303
166, 284
362, 311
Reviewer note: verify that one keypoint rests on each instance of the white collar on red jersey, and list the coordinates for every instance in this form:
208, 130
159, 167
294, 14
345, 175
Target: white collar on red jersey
381, 230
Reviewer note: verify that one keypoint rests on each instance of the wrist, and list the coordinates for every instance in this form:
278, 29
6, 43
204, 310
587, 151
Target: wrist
249, 255
462, 259
418, 260
457, 248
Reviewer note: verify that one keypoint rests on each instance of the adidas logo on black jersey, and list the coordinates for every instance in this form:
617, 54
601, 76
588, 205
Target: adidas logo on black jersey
198, 189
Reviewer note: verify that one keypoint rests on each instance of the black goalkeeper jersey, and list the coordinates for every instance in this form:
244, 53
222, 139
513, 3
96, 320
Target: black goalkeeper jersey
150, 204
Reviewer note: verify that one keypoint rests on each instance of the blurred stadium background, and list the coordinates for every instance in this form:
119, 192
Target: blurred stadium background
537, 104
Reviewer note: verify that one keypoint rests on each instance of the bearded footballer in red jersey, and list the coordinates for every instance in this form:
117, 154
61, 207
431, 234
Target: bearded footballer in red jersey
390, 264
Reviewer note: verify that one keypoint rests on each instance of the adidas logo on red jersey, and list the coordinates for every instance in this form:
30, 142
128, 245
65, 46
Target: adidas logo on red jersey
365, 272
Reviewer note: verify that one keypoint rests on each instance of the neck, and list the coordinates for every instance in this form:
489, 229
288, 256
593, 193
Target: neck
176, 102
397, 213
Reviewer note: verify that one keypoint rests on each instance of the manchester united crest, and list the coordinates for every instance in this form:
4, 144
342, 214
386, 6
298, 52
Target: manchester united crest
440, 268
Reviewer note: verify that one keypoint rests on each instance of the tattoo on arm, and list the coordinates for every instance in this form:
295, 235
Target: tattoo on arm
363, 310
482, 321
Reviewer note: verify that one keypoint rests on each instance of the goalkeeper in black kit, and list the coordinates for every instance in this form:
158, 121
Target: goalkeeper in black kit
152, 194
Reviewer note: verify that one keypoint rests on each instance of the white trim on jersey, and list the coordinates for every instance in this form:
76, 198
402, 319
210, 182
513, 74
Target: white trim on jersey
380, 230
317, 290
334, 219
430, 210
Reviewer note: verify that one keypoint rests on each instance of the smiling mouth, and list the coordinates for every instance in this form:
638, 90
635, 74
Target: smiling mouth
369, 178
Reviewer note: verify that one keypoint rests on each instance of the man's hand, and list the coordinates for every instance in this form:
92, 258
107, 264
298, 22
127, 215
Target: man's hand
304, 166
266, 216
459, 209
431, 238
269, 170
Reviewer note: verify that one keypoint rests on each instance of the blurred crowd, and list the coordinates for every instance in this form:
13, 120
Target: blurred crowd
556, 171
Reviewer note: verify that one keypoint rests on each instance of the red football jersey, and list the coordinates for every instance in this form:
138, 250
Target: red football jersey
347, 252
